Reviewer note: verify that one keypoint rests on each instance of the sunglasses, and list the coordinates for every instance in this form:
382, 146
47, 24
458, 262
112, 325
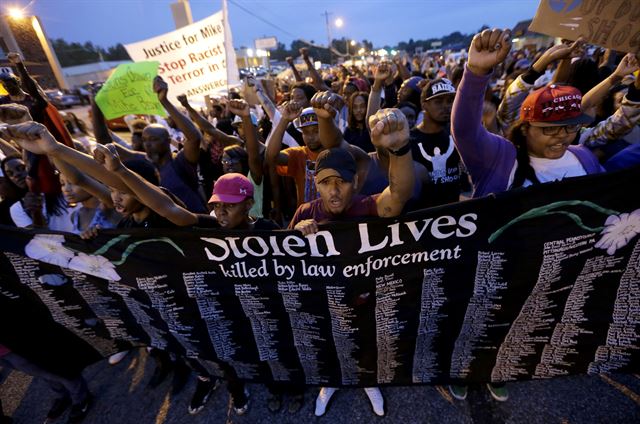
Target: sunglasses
569, 129
229, 162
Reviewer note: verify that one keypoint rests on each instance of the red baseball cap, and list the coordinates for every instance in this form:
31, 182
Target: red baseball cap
554, 106
232, 188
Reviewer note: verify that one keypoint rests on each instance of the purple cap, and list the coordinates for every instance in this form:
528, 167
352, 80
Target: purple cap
232, 188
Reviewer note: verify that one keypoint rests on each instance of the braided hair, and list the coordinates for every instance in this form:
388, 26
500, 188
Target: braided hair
524, 170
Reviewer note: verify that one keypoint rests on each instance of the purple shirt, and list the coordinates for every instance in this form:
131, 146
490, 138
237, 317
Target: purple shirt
489, 158
360, 206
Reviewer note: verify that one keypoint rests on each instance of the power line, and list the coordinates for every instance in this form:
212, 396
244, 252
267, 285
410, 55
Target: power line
295, 37
261, 18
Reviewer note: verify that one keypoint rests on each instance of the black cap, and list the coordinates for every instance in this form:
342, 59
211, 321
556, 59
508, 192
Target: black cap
437, 87
335, 163
8, 76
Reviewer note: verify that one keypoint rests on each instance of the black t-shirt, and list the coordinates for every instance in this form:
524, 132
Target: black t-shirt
152, 221
438, 154
5, 214
360, 138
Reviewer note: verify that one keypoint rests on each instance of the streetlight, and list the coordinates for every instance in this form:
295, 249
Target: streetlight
16, 13
339, 22
353, 43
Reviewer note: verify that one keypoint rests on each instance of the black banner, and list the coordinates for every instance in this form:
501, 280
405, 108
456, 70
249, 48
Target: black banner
533, 283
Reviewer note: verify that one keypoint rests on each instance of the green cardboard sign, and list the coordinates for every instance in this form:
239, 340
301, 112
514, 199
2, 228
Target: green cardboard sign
129, 90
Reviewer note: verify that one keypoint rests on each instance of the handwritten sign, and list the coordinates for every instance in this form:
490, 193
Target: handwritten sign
610, 23
129, 90
193, 59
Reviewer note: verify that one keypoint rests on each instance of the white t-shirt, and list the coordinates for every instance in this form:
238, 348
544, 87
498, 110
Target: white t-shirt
286, 138
548, 170
56, 222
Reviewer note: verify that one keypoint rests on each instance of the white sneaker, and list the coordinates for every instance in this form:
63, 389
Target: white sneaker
323, 400
377, 401
117, 357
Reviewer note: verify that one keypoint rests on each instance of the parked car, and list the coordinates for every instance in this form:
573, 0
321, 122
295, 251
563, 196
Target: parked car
62, 100
117, 124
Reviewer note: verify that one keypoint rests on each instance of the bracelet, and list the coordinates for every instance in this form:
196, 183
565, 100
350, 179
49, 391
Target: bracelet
401, 151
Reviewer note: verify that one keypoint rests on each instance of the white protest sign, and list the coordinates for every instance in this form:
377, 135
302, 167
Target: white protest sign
193, 59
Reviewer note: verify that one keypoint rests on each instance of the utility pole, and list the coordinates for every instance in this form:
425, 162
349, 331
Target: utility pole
181, 11
326, 19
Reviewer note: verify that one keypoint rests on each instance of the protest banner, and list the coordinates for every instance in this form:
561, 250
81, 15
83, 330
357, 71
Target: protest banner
193, 59
532, 283
129, 90
613, 24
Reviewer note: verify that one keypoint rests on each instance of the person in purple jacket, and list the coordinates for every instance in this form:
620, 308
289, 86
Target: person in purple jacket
538, 148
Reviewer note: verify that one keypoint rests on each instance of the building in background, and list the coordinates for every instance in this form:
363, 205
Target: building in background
80, 75
525, 39
25, 35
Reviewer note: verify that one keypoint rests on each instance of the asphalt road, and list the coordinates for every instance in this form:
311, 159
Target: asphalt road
122, 397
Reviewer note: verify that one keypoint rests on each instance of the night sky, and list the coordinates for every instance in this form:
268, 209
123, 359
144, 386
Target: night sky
107, 22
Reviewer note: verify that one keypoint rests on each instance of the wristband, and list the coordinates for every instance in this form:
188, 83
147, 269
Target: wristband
401, 151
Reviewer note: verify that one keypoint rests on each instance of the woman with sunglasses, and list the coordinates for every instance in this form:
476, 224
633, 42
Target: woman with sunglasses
539, 146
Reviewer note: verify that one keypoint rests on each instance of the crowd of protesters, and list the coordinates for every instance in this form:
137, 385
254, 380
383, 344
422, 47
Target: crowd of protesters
376, 140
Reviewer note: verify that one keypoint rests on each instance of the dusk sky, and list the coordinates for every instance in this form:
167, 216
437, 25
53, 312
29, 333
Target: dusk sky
107, 22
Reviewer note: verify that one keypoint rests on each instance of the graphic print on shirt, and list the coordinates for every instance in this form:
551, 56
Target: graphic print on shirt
438, 161
310, 192
438, 170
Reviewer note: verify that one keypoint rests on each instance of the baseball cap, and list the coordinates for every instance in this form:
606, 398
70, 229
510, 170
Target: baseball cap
8, 76
554, 105
412, 83
335, 162
232, 188
307, 117
238, 120
437, 87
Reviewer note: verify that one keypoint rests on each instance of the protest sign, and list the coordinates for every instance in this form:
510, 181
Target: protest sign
129, 90
473, 291
610, 23
193, 59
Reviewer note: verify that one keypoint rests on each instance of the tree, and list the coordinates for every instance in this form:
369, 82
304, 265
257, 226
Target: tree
73, 54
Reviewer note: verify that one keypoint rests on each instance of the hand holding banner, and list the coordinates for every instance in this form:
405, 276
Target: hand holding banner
129, 90
612, 23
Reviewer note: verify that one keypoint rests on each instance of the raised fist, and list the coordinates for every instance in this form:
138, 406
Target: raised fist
14, 113
326, 104
291, 111
383, 71
487, 49
289, 60
32, 136
305, 53
239, 107
389, 129
558, 52
107, 155
628, 65
182, 98
160, 87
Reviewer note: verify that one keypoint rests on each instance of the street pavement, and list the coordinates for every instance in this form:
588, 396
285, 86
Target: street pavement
122, 397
